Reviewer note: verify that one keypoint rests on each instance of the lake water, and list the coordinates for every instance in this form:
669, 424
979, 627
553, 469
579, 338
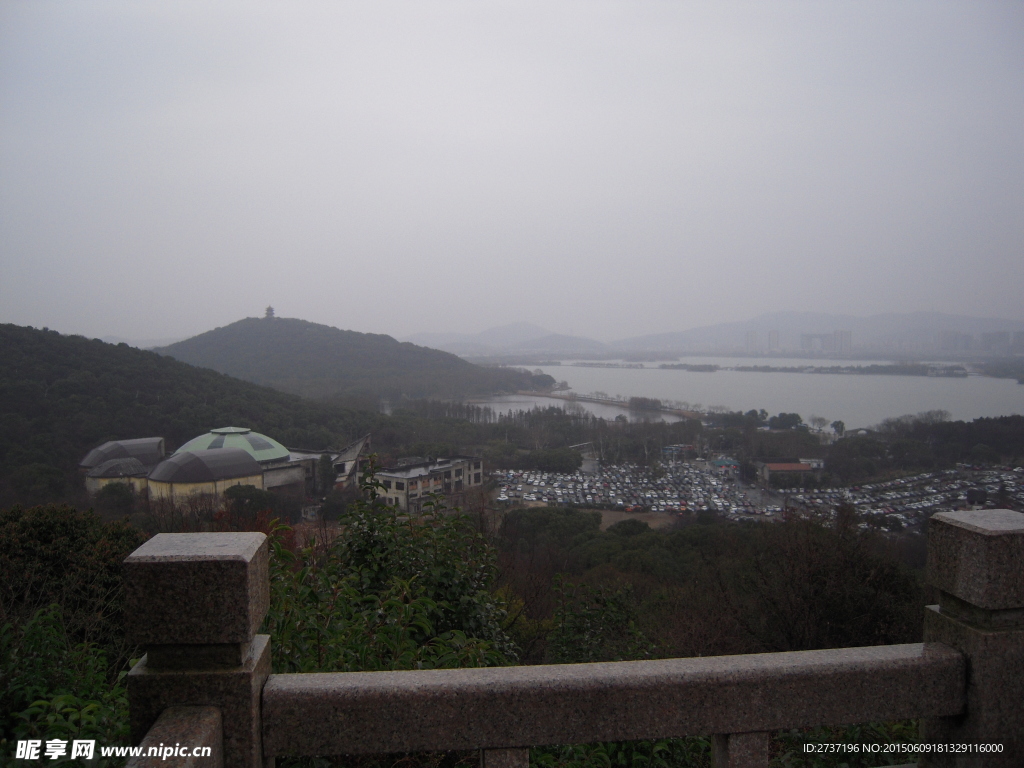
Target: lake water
858, 400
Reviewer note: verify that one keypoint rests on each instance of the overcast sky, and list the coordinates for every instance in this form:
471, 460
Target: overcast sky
600, 168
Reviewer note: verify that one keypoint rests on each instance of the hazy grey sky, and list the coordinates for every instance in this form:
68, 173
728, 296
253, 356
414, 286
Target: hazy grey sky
600, 168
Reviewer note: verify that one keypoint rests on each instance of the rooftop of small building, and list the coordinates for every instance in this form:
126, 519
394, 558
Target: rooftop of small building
424, 467
350, 452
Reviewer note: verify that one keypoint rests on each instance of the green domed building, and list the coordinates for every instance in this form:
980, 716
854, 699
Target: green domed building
275, 466
215, 461
264, 449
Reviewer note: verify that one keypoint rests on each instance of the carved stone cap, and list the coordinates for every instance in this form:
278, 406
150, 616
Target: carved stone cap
978, 557
197, 588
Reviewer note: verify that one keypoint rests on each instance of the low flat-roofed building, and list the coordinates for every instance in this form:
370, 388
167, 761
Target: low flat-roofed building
787, 468
411, 482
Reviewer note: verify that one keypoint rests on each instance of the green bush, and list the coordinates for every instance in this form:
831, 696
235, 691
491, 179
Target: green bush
595, 624
52, 688
389, 592
56, 554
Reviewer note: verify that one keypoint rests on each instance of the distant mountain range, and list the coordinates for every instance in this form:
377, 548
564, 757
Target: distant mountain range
517, 338
320, 361
914, 332
891, 333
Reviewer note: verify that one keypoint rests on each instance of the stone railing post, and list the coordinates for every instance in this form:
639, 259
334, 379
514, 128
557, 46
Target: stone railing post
740, 750
194, 602
976, 561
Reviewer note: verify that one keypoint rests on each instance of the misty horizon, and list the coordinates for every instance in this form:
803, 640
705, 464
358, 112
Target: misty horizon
912, 333
604, 170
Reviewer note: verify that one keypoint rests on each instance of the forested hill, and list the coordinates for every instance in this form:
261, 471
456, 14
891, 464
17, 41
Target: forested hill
320, 361
62, 395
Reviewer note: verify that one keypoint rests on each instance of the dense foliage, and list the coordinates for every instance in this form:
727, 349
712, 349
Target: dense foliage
319, 361
707, 589
62, 646
388, 592
914, 443
53, 688
595, 624
926, 443
58, 555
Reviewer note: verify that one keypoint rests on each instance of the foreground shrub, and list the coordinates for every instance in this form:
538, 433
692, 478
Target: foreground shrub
58, 555
389, 592
52, 688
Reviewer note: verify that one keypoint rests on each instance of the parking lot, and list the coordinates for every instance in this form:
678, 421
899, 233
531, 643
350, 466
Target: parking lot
676, 488
692, 487
907, 501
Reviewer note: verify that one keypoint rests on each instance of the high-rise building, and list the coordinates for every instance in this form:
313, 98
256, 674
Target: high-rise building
818, 342
752, 344
843, 344
835, 343
773, 341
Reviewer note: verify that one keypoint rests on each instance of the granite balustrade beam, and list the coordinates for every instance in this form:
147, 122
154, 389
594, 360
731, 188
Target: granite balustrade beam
515, 707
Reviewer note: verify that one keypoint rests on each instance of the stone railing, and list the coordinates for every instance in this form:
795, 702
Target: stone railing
196, 601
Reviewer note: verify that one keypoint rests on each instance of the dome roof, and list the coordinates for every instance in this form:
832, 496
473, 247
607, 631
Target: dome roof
262, 448
118, 468
206, 466
148, 450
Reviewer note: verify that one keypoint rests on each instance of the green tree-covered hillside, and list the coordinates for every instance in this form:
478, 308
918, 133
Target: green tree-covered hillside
319, 361
60, 396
